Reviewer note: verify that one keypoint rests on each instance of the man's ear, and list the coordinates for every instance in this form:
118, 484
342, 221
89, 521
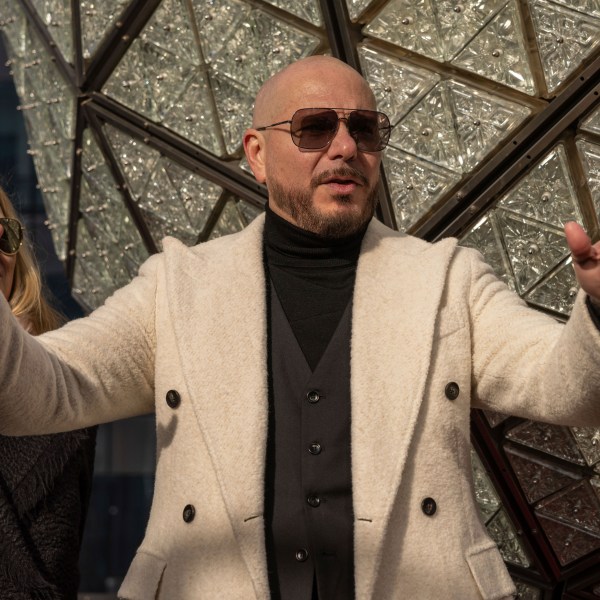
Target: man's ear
254, 147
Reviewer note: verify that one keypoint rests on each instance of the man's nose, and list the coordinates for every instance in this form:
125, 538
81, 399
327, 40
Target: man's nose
343, 145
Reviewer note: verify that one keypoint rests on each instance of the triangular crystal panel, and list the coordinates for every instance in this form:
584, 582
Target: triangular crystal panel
588, 440
565, 38
482, 121
409, 24
428, 131
309, 10
459, 22
499, 52
163, 78
173, 200
558, 291
96, 18
590, 157
547, 192
233, 219
534, 249
551, 439
415, 185
503, 532
244, 46
485, 236
356, 7
538, 477
486, 496
398, 85
591, 122
58, 19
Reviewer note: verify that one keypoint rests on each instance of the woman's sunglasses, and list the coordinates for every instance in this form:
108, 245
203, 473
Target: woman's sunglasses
314, 128
12, 236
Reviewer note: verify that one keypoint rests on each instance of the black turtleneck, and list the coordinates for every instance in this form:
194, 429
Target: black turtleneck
313, 277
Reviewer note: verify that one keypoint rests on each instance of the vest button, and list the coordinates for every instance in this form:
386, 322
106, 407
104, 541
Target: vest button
428, 506
452, 390
313, 396
189, 512
173, 398
315, 448
314, 501
301, 555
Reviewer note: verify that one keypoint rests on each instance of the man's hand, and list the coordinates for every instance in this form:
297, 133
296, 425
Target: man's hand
586, 260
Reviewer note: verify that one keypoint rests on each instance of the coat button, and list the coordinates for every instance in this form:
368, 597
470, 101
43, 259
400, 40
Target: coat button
428, 506
452, 390
189, 512
301, 555
315, 448
173, 398
314, 501
313, 396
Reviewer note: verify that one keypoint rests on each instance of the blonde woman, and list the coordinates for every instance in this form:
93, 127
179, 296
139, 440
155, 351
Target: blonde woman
45, 481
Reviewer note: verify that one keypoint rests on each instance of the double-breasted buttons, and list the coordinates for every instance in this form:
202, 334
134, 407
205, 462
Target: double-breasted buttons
428, 506
301, 555
314, 501
315, 448
452, 390
313, 396
173, 398
189, 512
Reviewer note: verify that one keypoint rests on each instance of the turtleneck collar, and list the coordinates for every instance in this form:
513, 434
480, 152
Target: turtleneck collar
288, 241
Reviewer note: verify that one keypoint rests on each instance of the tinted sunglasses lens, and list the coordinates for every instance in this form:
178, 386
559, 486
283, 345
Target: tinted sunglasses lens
313, 129
10, 242
370, 129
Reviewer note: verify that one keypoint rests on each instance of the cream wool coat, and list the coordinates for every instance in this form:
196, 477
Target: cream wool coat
194, 321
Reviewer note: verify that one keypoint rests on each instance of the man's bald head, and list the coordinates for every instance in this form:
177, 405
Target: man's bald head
275, 93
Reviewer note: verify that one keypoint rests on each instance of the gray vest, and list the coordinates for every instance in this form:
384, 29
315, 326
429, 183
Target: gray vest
308, 495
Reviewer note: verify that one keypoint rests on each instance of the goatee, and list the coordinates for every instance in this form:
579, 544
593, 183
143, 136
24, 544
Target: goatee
299, 205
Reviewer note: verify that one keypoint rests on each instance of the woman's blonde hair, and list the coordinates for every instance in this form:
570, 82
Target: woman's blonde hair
26, 298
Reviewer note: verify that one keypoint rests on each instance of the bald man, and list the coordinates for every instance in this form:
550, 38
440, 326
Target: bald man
312, 378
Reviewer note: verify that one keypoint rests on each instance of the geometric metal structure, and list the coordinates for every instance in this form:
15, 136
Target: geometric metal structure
135, 111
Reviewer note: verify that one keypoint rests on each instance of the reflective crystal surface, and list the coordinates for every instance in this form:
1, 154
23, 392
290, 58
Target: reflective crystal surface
591, 122
243, 46
236, 215
415, 185
533, 248
588, 441
486, 237
309, 10
356, 7
494, 418
577, 505
96, 17
498, 52
485, 494
565, 38
551, 439
557, 291
409, 24
526, 591
502, 531
56, 15
398, 85
109, 247
538, 477
173, 200
568, 543
48, 107
590, 157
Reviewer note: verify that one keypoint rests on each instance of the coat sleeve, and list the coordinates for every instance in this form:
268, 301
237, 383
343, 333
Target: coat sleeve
526, 363
92, 370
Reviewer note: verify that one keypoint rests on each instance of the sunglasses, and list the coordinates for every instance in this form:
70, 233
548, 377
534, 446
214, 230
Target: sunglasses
314, 128
12, 236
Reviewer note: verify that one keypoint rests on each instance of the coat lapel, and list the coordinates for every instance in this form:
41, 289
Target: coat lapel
398, 289
217, 305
